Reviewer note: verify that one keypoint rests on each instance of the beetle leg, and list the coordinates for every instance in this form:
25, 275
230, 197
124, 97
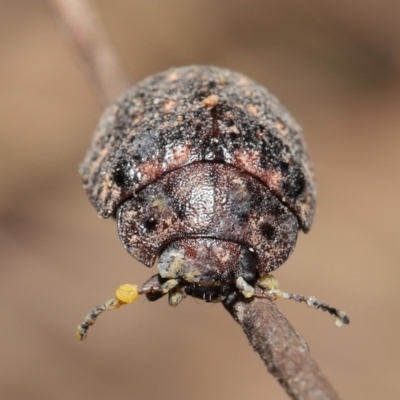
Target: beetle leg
176, 295
246, 289
152, 288
271, 289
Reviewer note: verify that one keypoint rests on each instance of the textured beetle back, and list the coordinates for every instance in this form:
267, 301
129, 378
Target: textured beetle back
194, 114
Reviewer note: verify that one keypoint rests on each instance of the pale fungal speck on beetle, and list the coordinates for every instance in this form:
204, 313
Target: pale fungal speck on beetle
209, 179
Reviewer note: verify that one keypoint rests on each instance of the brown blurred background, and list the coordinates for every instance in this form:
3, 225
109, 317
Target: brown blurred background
336, 65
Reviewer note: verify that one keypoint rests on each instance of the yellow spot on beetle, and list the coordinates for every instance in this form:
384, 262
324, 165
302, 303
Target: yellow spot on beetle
159, 202
268, 282
192, 276
210, 101
175, 268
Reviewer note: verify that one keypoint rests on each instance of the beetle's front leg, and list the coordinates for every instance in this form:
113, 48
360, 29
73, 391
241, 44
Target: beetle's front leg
156, 287
153, 288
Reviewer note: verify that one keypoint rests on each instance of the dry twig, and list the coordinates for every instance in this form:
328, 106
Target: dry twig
283, 351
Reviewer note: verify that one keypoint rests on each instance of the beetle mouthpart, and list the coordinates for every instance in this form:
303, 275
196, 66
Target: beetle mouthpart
271, 290
125, 294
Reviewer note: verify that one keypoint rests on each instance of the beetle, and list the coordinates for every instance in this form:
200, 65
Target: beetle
209, 179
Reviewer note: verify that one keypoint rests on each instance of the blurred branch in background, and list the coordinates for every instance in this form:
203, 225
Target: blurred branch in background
89, 37
284, 352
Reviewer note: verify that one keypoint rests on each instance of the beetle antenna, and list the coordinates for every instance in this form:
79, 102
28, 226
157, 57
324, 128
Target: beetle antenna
340, 316
125, 294
271, 290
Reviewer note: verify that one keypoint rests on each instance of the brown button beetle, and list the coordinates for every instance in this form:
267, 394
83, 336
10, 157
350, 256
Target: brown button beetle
209, 179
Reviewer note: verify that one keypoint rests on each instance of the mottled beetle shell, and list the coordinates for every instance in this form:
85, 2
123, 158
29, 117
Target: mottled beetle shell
209, 200
180, 133
162, 124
